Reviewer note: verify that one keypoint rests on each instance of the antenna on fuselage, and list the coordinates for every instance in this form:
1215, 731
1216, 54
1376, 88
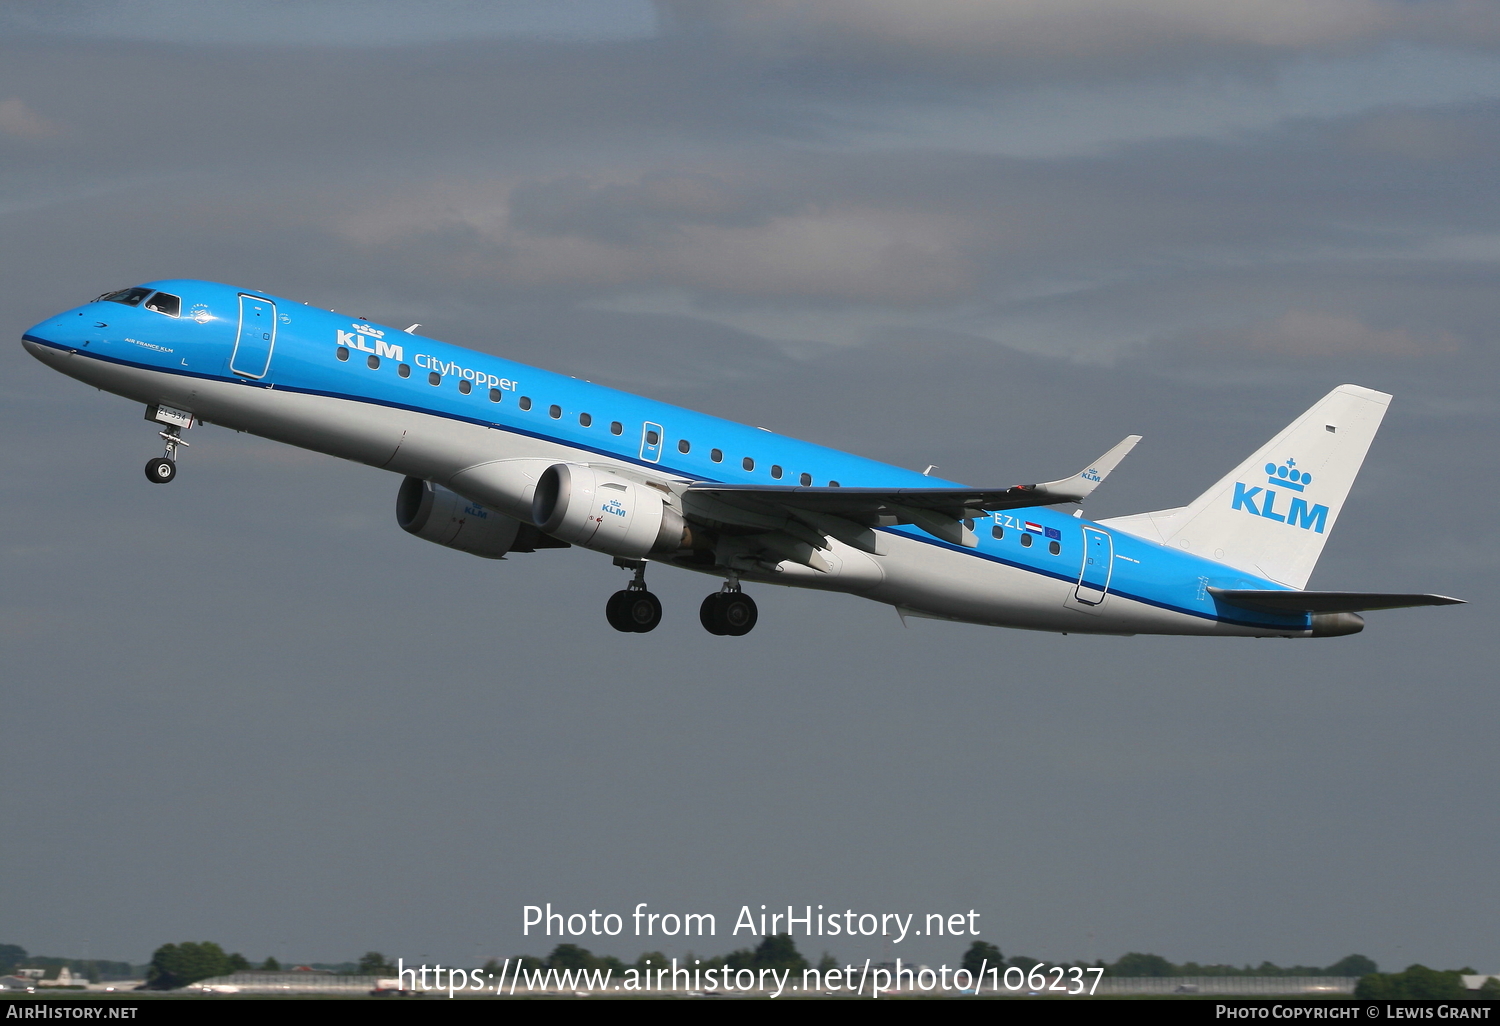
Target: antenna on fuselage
411, 330
930, 468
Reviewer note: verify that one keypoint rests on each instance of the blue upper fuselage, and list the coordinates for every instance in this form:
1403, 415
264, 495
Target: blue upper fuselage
209, 330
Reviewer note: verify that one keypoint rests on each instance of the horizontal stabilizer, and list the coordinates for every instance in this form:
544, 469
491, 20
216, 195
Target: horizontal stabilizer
1326, 601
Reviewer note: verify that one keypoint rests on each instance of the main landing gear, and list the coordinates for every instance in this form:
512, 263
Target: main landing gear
634, 610
163, 468
729, 612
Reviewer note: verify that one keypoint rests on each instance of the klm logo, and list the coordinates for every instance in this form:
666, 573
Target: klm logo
361, 338
1261, 501
1091, 475
613, 508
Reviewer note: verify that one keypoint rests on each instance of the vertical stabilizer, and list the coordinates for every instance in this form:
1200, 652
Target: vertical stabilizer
1271, 515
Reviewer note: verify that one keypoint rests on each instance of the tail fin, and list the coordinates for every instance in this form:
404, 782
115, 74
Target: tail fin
1271, 515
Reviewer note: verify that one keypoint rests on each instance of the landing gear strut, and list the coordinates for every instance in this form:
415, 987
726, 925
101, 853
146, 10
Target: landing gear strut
163, 468
729, 612
634, 610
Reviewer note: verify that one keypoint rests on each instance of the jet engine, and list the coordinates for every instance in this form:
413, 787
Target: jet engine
603, 511
435, 514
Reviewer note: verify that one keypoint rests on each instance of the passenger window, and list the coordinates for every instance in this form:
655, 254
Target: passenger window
833, 484
343, 354
585, 420
165, 303
554, 411
998, 531
434, 378
404, 370
525, 402
683, 445
776, 472
747, 463
130, 297
464, 385
1054, 547
615, 427
372, 362
806, 480
717, 455
653, 437
1025, 540
496, 395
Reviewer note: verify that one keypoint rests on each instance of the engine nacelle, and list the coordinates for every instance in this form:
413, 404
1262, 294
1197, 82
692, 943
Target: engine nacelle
433, 513
605, 512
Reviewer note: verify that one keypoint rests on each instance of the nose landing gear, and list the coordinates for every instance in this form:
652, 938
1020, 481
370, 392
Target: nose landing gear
163, 468
729, 613
634, 610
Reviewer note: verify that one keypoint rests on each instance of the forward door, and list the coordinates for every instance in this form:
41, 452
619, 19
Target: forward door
252, 349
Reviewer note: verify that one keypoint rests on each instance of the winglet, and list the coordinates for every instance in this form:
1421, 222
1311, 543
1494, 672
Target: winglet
1078, 487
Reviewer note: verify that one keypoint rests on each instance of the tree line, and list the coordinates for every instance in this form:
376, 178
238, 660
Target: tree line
178, 965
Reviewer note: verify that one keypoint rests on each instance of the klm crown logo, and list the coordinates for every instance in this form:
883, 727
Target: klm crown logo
1287, 477
1260, 501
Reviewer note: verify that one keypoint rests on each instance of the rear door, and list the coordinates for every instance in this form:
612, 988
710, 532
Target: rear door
252, 349
1098, 559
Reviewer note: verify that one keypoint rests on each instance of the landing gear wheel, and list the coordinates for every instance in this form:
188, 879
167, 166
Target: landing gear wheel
728, 613
737, 614
160, 470
708, 613
614, 612
642, 611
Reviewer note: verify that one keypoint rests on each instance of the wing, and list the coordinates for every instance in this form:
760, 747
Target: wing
1326, 601
811, 515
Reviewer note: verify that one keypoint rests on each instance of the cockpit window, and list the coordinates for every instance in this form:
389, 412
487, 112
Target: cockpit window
165, 303
130, 297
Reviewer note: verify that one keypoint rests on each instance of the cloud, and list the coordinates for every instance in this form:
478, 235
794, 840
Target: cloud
20, 122
1041, 37
683, 232
317, 23
1310, 334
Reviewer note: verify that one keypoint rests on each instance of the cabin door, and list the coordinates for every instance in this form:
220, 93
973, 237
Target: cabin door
1098, 558
252, 350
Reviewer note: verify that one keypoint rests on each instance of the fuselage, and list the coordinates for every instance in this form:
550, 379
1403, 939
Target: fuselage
401, 402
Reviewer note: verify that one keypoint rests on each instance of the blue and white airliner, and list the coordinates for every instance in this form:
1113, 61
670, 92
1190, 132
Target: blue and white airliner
499, 457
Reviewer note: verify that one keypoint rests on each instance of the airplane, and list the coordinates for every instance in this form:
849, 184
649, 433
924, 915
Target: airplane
500, 458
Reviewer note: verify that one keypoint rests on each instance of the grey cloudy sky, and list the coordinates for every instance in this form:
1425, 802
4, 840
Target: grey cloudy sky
994, 237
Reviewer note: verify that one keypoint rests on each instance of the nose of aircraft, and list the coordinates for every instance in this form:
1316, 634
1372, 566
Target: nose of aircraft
60, 334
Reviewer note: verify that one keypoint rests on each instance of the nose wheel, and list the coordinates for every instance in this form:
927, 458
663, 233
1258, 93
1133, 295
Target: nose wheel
633, 610
160, 470
728, 613
163, 468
